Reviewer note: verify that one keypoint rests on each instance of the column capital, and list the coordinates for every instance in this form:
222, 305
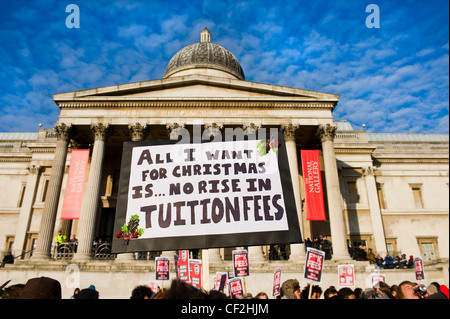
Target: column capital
138, 131
101, 131
369, 170
173, 129
213, 129
326, 132
251, 128
34, 169
289, 131
63, 131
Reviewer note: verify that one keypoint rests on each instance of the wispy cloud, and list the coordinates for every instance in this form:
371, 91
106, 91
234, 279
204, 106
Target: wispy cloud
393, 79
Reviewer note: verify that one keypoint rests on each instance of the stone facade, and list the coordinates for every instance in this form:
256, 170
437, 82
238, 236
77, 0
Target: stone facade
386, 191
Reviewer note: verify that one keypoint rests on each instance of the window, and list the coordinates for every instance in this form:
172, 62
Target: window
428, 248
417, 195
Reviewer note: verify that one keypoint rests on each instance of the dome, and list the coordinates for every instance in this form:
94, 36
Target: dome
204, 55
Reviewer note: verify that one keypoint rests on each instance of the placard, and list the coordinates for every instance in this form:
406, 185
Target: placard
220, 281
377, 277
162, 268
276, 282
205, 195
183, 265
419, 269
346, 275
236, 288
240, 263
314, 264
195, 272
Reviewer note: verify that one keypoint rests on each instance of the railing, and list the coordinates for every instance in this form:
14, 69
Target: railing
67, 251
103, 252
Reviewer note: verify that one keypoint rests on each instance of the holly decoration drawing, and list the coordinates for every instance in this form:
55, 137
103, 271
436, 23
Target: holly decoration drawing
265, 146
130, 231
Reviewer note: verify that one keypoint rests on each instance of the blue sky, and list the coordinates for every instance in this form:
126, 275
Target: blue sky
394, 79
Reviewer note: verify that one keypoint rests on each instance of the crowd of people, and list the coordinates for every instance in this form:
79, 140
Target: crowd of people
49, 288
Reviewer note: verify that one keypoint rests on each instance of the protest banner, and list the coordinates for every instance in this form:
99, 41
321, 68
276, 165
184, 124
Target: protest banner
195, 272
346, 275
154, 286
377, 277
183, 265
419, 269
314, 264
220, 281
205, 195
312, 180
75, 184
240, 263
276, 282
162, 268
236, 288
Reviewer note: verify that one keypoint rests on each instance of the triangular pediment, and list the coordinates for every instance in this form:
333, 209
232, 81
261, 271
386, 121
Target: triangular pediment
195, 87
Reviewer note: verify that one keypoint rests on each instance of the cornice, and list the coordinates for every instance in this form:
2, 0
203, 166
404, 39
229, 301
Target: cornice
196, 103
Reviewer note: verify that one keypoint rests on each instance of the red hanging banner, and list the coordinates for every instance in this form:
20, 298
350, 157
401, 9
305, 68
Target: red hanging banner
312, 180
75, 184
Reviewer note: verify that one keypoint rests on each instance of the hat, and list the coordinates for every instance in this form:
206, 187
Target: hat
41, 288
288, 287
88, 293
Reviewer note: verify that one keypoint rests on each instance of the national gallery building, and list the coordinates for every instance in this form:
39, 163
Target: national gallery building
387, 192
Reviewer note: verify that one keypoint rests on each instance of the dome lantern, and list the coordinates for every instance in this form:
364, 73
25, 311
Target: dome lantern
204, 57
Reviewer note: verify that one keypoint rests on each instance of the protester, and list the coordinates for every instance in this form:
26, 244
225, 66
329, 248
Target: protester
141, 292
330, 292
290, 289
41, 288
261, 295
89, 293
379, 262
315, 293
388, 261
346, 293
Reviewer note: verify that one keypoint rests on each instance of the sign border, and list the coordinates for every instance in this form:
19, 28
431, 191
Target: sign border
293, 235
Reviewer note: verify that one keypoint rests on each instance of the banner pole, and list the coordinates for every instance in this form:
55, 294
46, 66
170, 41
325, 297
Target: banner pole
310, 290
205, 269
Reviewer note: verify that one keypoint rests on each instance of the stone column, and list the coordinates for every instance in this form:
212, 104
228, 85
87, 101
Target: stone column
297, 250
91, 195
375, 212
46, 228
25, 211
255, 255
336, 212
138, 132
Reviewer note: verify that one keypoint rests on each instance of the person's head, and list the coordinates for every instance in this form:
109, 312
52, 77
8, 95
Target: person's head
141, 292
383, 287
406, 290
41, 288
315, 293
182, 290
330, 292
261, 295
13, 291
291, 289
346, 293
